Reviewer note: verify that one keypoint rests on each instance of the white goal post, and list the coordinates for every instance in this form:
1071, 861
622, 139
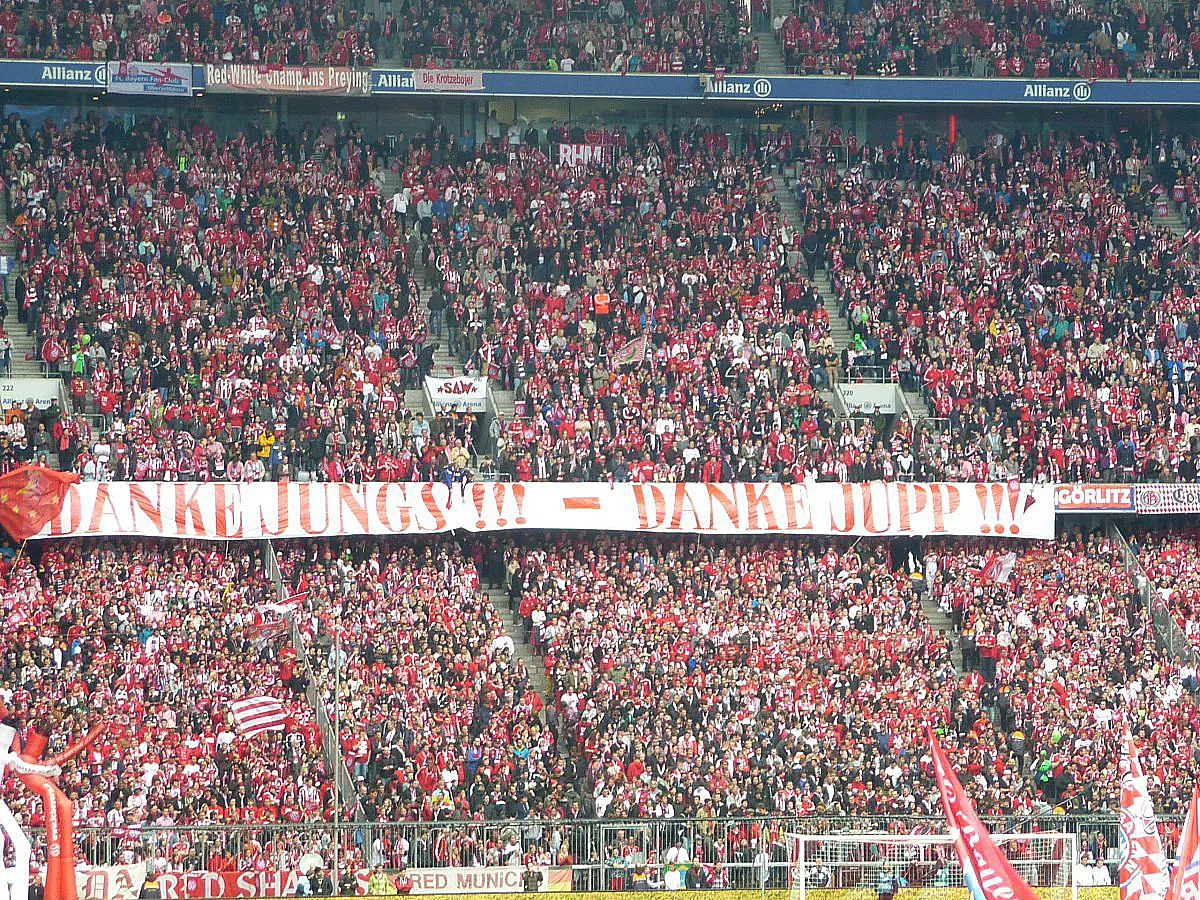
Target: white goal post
881, 865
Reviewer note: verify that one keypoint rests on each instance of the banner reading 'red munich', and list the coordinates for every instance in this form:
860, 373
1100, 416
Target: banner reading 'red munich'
218, 511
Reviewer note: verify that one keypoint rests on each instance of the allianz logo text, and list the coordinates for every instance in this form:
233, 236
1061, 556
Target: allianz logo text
1080, 91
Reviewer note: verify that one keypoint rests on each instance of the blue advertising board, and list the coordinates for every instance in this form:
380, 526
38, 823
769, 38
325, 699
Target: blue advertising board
809, 89
689, 88
53, 74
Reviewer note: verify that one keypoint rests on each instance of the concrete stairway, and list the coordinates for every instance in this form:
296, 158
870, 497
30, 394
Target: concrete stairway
942, 624
837, 326
770, 54
515, 629
444, 363
23, 343
1173, 219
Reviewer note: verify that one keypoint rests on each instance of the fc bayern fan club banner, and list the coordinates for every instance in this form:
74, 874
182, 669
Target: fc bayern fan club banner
110, 882
250, 79
463, 394
219, 511
1166, 499
150, 79
1143, 868
450, 80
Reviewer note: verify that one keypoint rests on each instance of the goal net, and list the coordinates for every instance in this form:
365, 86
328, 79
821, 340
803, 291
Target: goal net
887, 866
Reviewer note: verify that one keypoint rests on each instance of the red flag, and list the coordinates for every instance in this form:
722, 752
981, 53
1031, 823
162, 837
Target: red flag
1185, 879
988, 873
1143, 864
30, 496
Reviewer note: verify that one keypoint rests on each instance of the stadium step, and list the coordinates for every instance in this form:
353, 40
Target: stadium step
515, 629
23, 344
942, 624
770, 56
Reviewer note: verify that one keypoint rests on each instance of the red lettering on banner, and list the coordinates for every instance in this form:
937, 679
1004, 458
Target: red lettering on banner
283, 509
657, 505
727, 502
946, 500
849, 502
518, 490
498, 496
913, 499
141, 500
682, 502
434, 508
187, 509
307, 493
381, 504
756, 499
998, 502
870, 508
478, 495
352, 499
795, 503
102, 502
229, 514
71, 517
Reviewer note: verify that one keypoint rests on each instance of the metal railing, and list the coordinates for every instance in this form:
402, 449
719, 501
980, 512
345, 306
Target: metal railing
333, 753
588, 846
1170, 636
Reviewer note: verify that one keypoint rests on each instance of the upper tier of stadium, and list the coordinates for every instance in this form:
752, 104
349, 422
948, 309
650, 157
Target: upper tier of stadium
1076, 40
681, 308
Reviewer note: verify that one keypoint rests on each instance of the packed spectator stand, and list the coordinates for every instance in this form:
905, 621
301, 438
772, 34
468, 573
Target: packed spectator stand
1086, 41
1048, 40
155, 639
655, 312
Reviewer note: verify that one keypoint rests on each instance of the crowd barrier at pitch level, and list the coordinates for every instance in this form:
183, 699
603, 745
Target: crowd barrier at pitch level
191, 849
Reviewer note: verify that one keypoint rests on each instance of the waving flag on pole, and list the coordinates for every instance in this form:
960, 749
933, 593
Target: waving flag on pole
1143, 864
1185, 880
988, 873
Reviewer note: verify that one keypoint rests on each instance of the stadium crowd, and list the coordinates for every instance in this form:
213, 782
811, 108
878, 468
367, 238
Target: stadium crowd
654, 311
1047, 40
300, 32
1030, 294
1066, 656
726, 677
155, 640
617, 36
1077, 41
438, 716
698, 679
1168, 560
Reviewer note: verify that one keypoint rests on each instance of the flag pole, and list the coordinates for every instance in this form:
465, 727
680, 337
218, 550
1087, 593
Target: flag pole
337, 742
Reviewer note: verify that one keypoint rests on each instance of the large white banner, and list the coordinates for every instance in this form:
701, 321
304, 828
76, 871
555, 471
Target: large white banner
110, 882
465, 393
293, 510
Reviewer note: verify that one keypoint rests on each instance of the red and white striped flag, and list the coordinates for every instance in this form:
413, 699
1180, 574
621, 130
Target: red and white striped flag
1143, 867
254, 715
998, 567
